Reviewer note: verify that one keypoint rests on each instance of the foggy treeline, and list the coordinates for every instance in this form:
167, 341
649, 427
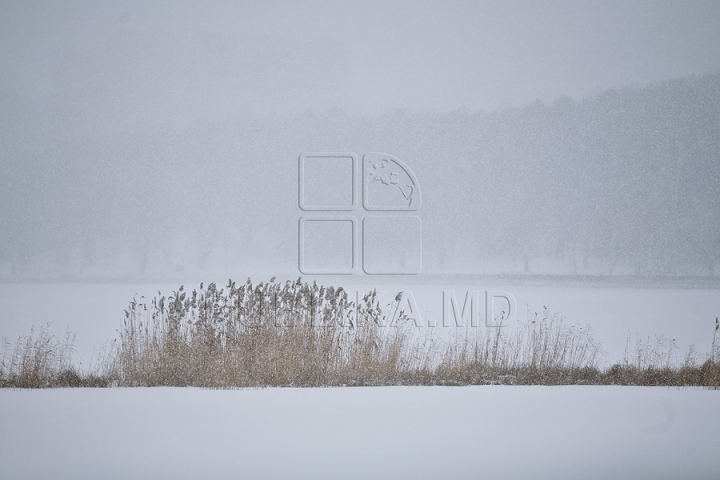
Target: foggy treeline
624, 182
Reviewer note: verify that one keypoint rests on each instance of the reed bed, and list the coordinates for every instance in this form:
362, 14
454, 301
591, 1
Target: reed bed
40, 360
269, 334
306, 335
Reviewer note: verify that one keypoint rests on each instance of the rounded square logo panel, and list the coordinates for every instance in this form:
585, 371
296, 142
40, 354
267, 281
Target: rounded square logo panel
327, 244
327, 181
392, 245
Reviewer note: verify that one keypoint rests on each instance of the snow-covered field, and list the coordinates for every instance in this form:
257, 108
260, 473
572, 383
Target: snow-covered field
370, 432
365, 432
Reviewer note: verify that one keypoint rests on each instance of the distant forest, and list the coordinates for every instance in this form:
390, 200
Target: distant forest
625, 182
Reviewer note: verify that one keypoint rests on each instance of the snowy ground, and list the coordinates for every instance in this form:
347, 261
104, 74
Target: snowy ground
393, 432
384, 432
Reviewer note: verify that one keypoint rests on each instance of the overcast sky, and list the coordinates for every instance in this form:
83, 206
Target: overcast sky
365, 57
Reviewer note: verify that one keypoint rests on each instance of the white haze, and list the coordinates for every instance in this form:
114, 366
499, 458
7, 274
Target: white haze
143, 140
171, 62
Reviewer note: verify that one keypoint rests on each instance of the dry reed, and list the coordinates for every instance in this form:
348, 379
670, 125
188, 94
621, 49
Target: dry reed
302, 334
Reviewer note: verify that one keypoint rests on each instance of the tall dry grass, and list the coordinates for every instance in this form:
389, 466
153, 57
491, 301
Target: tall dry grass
542, 350
654, 361
40, 360
269, 334
302, 334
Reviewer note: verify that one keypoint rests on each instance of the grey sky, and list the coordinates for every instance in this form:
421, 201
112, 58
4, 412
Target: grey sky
174, 60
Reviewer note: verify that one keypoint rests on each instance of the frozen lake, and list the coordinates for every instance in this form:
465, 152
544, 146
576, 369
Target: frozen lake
94, 311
